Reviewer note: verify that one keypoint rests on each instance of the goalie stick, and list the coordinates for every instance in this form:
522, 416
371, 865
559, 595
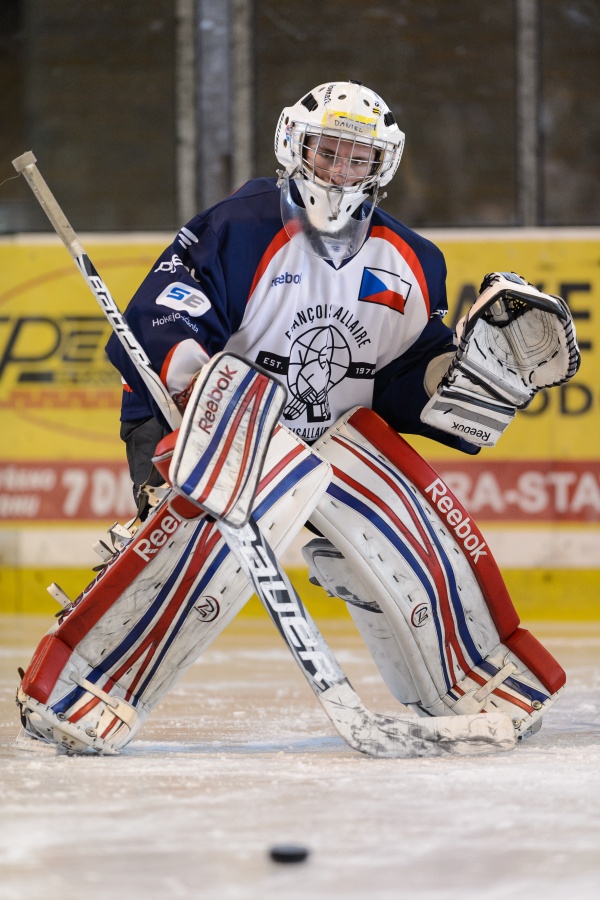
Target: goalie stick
26, 166
370, 733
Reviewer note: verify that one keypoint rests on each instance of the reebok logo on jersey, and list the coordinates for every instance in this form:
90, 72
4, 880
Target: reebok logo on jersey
183, 298
461, 524
287, 278
385, 288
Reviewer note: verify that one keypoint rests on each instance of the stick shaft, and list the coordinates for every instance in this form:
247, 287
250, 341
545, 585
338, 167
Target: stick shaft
26, 166
284, 606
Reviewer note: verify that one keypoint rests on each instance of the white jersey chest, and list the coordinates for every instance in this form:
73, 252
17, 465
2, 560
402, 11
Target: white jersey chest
324, 332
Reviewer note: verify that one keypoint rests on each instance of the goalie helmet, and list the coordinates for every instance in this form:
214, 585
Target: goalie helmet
338, 146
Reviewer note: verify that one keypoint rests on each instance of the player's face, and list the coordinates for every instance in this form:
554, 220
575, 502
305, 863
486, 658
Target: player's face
339, 162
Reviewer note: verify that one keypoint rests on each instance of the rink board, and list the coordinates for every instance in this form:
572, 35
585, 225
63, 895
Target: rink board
560, 595
63, 478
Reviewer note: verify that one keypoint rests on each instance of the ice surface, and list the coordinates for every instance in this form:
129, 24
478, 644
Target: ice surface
240, 757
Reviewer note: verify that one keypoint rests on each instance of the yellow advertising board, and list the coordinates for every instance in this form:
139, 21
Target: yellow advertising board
563, 423
62, 470
536, 495
63, 479
545, 468
61, 457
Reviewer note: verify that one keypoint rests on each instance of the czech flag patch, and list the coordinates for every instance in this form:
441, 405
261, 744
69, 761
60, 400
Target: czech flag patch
385, 288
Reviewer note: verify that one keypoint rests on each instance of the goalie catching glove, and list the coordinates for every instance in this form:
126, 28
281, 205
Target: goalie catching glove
514, 341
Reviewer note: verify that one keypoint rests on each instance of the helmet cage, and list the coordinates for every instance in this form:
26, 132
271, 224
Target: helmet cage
339, 161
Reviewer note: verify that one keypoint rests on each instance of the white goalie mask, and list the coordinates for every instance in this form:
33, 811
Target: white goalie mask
338, 146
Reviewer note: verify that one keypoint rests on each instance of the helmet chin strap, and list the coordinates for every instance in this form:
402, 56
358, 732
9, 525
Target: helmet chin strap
283, 175
335, 210
298, 175
372, 195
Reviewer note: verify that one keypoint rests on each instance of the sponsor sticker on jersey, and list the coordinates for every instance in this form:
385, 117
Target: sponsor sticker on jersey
183, 298
385, 288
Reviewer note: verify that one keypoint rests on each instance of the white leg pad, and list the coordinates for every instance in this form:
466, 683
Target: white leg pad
329, 568
153, 609
417, 555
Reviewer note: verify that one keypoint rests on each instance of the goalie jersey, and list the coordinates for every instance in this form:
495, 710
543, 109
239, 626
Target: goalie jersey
360, 332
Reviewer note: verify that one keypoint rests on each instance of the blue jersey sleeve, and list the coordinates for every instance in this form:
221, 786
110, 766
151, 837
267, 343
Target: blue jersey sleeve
183, 296
194, 297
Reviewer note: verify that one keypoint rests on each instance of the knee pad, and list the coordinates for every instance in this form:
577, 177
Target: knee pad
160, 600
411, 549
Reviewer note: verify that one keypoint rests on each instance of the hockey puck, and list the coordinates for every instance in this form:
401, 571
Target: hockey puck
288, 853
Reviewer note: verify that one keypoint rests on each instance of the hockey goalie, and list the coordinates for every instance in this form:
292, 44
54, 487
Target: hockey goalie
303, 333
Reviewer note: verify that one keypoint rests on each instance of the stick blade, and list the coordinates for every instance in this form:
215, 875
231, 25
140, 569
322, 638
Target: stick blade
402, 738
